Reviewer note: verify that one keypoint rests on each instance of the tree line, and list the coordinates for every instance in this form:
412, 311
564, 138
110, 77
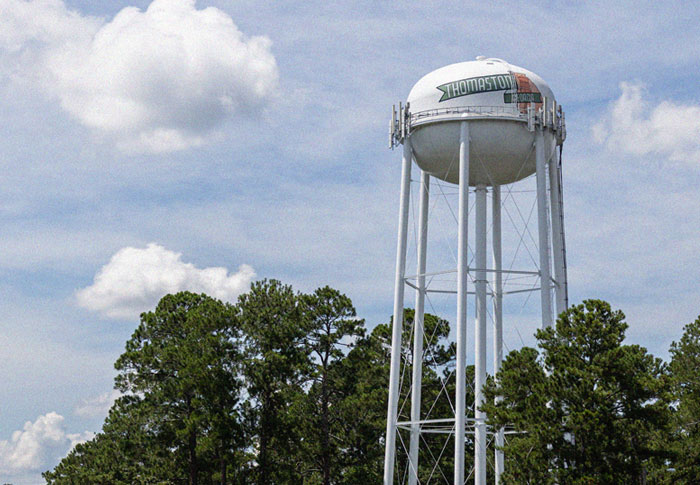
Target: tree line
285, 388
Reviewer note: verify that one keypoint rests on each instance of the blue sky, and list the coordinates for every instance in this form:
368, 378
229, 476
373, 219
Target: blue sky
132, 166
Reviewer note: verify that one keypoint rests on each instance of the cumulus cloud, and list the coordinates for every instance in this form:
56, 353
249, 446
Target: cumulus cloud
31, 25
632, 125
98, 406
157, 80
38, 444
135, 279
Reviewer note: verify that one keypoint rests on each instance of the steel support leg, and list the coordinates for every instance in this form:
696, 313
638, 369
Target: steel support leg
557, 234
543, 229
397, 324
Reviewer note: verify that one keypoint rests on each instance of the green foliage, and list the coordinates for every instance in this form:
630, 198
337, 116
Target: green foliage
180, 373
129, 450
286, 387
333, 330
685, 372
589, 409
183, 360
276, 364
363, 375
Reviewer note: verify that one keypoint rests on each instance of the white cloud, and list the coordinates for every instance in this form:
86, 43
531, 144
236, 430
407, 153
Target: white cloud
27, 25
135, 279
157, 80
38, 444
667, 129
78, 438
98, 406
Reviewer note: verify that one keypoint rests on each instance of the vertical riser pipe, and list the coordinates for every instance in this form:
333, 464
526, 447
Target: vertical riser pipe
480, 338
418, 330
497, 314
462, 268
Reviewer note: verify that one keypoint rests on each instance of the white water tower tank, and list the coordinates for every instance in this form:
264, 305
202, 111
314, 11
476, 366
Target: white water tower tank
499, 99
483, 123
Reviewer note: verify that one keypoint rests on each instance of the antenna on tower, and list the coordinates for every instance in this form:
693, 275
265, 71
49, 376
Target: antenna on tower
399, 126
392, 127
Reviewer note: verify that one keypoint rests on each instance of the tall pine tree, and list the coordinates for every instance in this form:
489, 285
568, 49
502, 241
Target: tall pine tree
588, 409
277, 363
685, 377
182, 359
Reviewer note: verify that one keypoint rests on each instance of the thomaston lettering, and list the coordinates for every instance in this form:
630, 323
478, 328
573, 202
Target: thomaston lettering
482, 84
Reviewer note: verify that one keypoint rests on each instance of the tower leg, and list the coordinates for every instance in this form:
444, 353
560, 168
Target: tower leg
543, 229
497, 313
397, 324
480, 339
557, 234
462, 268
418, 328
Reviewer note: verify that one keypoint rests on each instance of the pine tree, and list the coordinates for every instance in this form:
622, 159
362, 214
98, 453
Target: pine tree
276, 364
685, 376
588, 408
183, 360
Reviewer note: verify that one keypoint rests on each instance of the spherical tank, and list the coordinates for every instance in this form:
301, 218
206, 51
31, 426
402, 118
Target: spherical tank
497, 99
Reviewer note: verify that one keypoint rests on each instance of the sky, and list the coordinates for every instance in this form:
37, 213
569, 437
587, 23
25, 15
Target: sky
152, 147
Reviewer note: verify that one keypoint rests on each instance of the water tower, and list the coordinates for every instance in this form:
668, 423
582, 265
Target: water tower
485, 124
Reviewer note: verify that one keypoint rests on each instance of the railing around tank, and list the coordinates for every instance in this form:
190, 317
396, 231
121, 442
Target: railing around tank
549, 114
497, 111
